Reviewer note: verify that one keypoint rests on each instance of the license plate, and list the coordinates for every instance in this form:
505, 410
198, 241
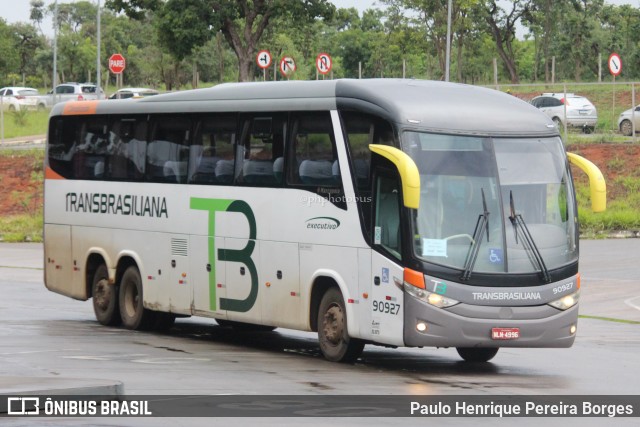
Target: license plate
583, 112
505, 333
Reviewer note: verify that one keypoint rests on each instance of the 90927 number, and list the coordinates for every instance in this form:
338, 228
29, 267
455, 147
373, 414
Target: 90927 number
386, 307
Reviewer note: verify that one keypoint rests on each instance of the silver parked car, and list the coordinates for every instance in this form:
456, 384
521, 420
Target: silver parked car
19, 98
624, 121
581, 113
71, 92
133, 93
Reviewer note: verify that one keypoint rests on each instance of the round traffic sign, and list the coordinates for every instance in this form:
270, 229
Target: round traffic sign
117, 63
263, 59
323, 63
287, 66
615, 64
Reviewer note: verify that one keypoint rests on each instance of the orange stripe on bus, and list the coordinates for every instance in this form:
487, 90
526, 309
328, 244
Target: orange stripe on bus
79, 108
50, 174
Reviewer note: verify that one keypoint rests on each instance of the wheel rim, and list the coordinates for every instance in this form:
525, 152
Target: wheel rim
102, 295
626, 128
131, 300
333, 324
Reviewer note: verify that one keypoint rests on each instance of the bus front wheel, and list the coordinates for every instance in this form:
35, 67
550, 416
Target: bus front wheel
134, 315
477, 354
335, 343
105, 298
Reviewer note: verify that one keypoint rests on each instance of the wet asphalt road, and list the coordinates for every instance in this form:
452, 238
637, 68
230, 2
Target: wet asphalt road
48, 335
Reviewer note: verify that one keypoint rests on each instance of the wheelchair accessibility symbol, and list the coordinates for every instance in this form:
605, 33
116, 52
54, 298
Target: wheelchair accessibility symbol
495, 256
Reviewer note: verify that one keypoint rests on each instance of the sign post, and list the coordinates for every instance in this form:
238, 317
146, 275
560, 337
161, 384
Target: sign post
615, 68
263, 59
117, 64
287, 66
323, 64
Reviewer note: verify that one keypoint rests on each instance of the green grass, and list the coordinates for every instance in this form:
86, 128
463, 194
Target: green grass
35, 123
22, 228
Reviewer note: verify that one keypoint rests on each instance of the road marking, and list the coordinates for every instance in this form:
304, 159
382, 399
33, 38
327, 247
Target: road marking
38, 351
170, 360
632, 305
609, 319
21, 268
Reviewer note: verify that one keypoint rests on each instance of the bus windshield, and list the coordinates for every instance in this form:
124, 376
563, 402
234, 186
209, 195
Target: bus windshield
492, 205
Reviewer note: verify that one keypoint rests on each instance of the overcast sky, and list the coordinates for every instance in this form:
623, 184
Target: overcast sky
18, 10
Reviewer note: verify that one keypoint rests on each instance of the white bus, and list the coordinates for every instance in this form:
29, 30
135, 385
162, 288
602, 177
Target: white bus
391, 212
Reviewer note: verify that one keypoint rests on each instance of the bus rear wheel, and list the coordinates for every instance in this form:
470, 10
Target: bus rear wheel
134, 315
105, 298
335, 343
477, 354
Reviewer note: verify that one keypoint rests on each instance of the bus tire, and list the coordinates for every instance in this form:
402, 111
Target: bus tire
134, 315
105, 298
335, 343
477, 354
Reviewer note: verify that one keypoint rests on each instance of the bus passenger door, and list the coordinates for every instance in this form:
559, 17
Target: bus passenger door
280, 284
207, 275
386, 296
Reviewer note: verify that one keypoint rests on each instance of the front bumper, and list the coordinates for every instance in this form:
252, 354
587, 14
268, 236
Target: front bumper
540, 326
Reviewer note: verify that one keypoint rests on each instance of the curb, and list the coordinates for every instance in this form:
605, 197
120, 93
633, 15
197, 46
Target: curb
59, 386
24, 140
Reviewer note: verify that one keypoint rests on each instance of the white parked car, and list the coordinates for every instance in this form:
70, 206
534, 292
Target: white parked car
625, 124
133, 93
581, 113
19, 98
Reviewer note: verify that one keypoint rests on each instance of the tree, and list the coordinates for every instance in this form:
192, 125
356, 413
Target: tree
27, 42
242, 23
502, 27
37, 12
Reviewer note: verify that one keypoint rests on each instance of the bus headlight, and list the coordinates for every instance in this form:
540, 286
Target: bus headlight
431, 298
566, 301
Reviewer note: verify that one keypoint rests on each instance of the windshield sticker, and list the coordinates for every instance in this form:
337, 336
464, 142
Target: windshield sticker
495, 256
434, 247
377, 236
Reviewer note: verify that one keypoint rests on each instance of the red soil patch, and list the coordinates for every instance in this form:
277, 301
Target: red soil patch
20, 185
21, 175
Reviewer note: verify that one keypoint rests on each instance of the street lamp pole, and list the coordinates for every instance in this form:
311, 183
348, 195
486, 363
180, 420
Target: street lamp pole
448, 59
98, 76
55, 51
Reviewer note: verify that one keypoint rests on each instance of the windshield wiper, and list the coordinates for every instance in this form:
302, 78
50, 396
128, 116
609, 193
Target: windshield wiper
527, 240
482, 226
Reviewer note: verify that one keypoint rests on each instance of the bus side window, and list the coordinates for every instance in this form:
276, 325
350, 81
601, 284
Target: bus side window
168, 149
314, 161
362, 130
261, 146
387, 217
127, 148
211, 154
90, 155
64, 137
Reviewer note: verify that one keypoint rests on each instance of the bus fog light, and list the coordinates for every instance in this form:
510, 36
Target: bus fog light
566, 301
573, 329
421, 327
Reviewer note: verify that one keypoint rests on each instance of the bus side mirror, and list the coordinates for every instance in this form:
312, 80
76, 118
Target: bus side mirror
407, 170
597, 184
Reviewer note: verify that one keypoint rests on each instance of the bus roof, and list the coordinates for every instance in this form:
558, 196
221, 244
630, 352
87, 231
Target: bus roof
420, 104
